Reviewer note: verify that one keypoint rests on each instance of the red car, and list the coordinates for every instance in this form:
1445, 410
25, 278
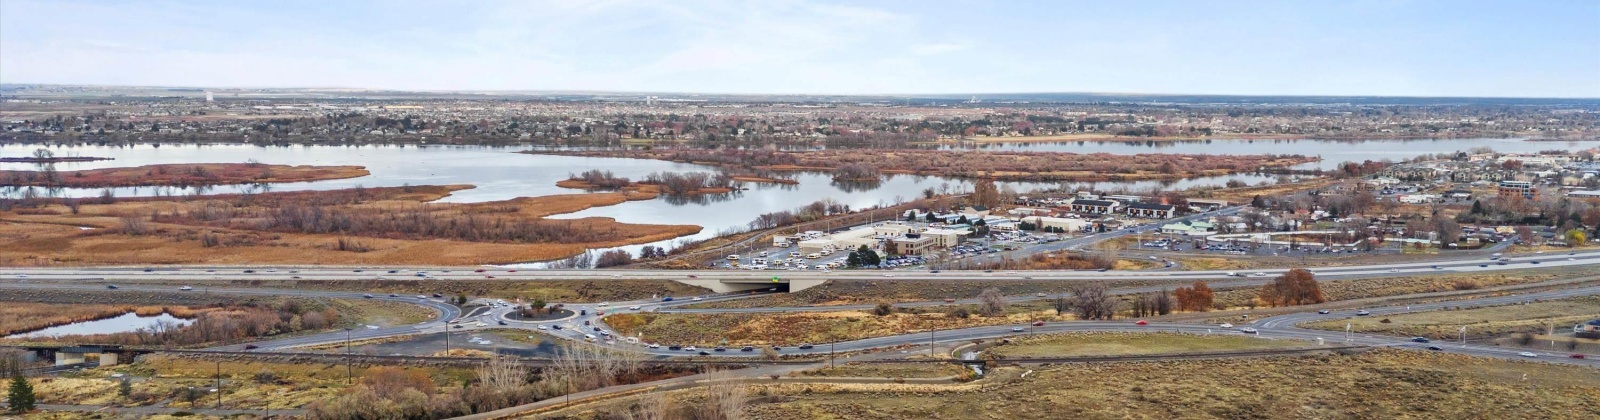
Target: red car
1578, 356
478, 270
488, 277
1141, 322
949, 301
1038, 323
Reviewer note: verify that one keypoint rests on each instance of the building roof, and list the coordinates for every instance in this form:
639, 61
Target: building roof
1102, 203
1148, 206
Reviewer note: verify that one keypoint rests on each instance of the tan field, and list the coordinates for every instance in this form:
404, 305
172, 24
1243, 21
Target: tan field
1117, 344
224, 230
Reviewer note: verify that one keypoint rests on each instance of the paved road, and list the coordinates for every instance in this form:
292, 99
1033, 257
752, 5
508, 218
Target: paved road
1454, 263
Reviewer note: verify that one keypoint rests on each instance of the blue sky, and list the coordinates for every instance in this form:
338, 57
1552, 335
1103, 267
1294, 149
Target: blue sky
1411, 48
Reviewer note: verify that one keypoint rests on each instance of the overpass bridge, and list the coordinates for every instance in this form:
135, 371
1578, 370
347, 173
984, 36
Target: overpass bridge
66, 355
734, 285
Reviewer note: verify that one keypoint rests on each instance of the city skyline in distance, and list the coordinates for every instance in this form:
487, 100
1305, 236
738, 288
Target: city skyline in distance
1406, 49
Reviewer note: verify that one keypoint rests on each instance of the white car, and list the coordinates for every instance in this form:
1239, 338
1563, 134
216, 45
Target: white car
541, 327
1226, 325
604, 304
185, 288
697, 298
633, 308
1527, 354
1017, 329
690, 348
654, 346
1248, 330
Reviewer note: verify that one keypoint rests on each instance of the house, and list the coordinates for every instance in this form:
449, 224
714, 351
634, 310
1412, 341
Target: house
1523, 188
1094, 206
1152, 211
1207, 203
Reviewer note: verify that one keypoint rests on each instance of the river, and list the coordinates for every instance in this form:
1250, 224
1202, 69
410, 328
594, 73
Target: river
127, 322
500, 173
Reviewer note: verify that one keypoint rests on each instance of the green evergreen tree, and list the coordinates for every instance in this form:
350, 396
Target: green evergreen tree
20, 395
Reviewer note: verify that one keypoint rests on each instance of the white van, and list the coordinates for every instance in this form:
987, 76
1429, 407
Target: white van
734, 257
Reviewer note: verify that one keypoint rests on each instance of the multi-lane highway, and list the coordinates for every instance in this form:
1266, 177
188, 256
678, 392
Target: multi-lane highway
575, 328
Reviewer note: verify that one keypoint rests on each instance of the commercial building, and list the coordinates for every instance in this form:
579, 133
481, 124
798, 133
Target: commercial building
913, 244
1523, 188
1152, 211
1094, 206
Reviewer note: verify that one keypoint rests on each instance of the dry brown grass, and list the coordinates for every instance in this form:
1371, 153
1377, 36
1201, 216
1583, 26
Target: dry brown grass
790, 329
54, 239
1120, 343
1480, 322
1380, 384
1339, 290
188, 174
850, 292
887, 370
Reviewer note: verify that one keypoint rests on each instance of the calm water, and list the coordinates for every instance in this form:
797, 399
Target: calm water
128, 322
501, 174
1332, 152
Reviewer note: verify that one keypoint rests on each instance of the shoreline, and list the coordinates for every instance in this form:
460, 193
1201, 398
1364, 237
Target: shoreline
175, 174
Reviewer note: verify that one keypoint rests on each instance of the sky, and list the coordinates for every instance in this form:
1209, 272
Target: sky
1545, 48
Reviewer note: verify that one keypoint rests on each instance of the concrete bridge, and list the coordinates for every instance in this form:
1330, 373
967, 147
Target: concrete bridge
742, 285
79, 354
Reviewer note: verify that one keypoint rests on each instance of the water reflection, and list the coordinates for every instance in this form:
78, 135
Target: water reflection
128, 322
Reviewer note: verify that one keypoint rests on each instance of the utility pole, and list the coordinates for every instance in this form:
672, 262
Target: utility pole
930, 340
349, 371
830, 354
219, 384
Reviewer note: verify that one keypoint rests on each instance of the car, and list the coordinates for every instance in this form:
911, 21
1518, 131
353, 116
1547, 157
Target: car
147, 270
1435, 348
597, 329
1533, 262
367, 296
696, 299
488, 277
540, 327
1438, 267
653, 346
633, 308
604, 304
421, 297
1394, 270
1528, 354
502, 322
1502, 263
705, 354
1248, 330
719, 348
438, 295
1040, 294
1420, 339
747, 348
806, 346
555, 327
211, 271
1038, 323
1578, 356
111, 286
1363, 312
666, 299
393, 271
1017, 329
1141, 322
251, 347
249, 271
690, 348
1483, 265
1226, 325
393, 295
934, 271
358, 271
458, 326
1324, 311
478, 270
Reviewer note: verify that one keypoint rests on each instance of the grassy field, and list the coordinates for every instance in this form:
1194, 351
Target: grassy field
247, 383
224, 229
1480, 322
850, 292
888, 370
1381, 384
790, 329
1338, 290
18, 317
1110, 344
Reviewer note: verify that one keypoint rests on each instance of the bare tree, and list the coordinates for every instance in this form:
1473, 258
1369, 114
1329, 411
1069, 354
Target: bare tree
725, 397
991, 302
503, 373
1092, 301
